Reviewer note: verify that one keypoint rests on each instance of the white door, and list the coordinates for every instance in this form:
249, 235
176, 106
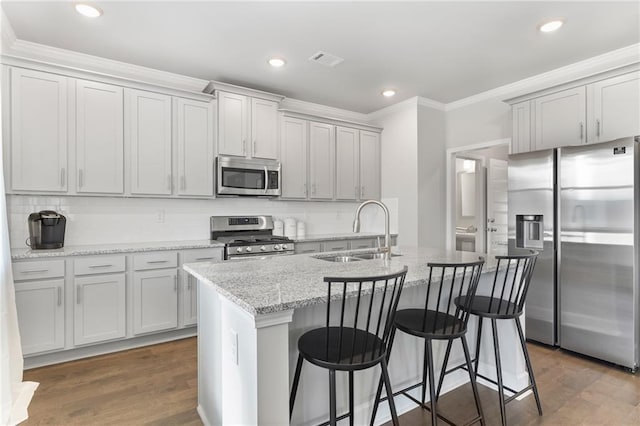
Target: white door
99, 138
521, 127
369, 165
497, 207
155, 300
560, 119
264, 128
40, 306
189, 299
293, 156
614, 108
322, 154
347, 146
38, 131
99, 312
194, 139
148, 127
233, 125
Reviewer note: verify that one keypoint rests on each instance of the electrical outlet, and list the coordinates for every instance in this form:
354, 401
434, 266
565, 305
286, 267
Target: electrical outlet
234, 346
160, 216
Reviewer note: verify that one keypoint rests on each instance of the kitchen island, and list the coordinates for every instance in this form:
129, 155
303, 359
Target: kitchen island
251, 314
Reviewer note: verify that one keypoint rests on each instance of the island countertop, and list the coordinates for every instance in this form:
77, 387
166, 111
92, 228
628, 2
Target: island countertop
280, 283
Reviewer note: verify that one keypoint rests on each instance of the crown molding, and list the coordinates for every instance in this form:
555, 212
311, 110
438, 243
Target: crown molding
319, 110
214, 86
330, 120
611, 60
430, 103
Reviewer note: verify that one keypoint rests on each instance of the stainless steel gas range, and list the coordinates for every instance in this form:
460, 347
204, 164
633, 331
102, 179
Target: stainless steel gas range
249, 237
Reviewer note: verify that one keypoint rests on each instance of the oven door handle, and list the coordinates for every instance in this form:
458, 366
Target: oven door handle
266, 179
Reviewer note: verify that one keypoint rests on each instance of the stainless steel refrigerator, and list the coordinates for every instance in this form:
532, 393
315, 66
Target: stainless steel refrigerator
580, 207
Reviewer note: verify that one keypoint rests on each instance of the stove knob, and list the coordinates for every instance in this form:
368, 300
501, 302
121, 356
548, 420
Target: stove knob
284, 247
248, 249
276, 246
239, 250
263, 248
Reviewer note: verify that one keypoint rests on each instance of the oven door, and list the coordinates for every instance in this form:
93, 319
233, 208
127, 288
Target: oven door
241, 176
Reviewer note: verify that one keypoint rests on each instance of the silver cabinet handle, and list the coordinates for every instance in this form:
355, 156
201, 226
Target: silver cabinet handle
59, 296
362, 191
169, 181
35, 271
183, 182
204, 258
156, 261
581, 130
78, 294
63, 176
254, 148
355, 192
80, 178
100, 266
244, 146
175, 283
598, 128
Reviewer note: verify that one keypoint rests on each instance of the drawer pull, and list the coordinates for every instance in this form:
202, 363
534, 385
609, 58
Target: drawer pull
59, 296
204, 258
35, 271
101, 266
78, 294
155, 262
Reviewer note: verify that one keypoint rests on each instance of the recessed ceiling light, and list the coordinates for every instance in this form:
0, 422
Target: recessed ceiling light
388, 93
277, 62
88, 10
551, 26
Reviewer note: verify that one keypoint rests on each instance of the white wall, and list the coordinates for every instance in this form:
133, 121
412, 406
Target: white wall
484, 121
100, 220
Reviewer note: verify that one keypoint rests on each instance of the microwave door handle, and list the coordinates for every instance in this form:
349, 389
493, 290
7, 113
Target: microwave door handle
266, 179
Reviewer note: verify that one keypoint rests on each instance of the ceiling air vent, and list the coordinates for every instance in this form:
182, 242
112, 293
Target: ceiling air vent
326, 59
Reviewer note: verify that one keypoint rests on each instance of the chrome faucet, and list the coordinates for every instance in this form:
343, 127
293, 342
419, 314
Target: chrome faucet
387, 239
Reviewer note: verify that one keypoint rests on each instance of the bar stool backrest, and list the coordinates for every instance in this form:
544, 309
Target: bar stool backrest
511, 282
374, 314
446, 282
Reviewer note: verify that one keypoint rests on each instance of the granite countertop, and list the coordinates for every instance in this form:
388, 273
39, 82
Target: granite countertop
279, 283
341, 236
85, 250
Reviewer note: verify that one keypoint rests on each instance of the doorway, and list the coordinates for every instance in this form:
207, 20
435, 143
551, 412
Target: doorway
477, 198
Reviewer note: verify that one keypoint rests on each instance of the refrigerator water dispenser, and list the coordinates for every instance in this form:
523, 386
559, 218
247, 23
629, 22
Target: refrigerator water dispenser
530, 231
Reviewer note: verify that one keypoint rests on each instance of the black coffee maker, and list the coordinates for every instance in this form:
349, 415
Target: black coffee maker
46, 230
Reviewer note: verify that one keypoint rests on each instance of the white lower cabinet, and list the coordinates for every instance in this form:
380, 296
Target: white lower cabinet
40, 306
99, 313
155, 300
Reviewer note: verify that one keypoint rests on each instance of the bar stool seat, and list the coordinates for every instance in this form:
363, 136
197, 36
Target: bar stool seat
490, 307
437, 325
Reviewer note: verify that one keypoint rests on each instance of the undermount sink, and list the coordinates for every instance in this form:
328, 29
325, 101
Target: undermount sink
341, 259
368, 256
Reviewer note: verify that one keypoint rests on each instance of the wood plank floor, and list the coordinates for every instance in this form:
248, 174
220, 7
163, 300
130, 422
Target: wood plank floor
156, 385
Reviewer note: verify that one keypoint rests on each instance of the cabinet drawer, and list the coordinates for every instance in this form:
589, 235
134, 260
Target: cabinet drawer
363, 243
99, 265
38, 269
203, 255
142, 262
335, 245
308, 248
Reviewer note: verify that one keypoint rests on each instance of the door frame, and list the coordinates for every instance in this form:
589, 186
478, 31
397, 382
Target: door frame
452, 153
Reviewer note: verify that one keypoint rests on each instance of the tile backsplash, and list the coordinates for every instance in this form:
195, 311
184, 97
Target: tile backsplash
104, 220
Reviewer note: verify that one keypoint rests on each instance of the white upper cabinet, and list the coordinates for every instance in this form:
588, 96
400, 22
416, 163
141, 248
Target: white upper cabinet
369, 165
264, 128
321, 160
233, 124
613, 108
521, 123
38, 131
99, 138
195, 150
293, 156
347, 155
148, 137
560, 119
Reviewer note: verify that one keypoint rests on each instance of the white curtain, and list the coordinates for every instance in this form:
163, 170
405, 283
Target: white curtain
15, 395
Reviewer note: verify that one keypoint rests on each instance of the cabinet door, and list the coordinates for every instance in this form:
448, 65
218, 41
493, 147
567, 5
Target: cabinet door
347, 141
521, 123
99, 312
264, 128
293, 156
40, 306
38, 131
560, 119
189, 299
369, 165
614, 108
155, 301
195, 147
99, 138
148, 120
233, 125
322, 154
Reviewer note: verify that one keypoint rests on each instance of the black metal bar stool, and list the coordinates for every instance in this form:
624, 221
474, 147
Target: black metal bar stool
506, 301
352, 340
440, 319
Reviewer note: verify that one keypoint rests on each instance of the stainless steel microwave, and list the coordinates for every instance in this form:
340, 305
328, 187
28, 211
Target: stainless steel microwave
247, 176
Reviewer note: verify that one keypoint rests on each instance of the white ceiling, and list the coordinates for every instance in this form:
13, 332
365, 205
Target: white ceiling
444, 51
